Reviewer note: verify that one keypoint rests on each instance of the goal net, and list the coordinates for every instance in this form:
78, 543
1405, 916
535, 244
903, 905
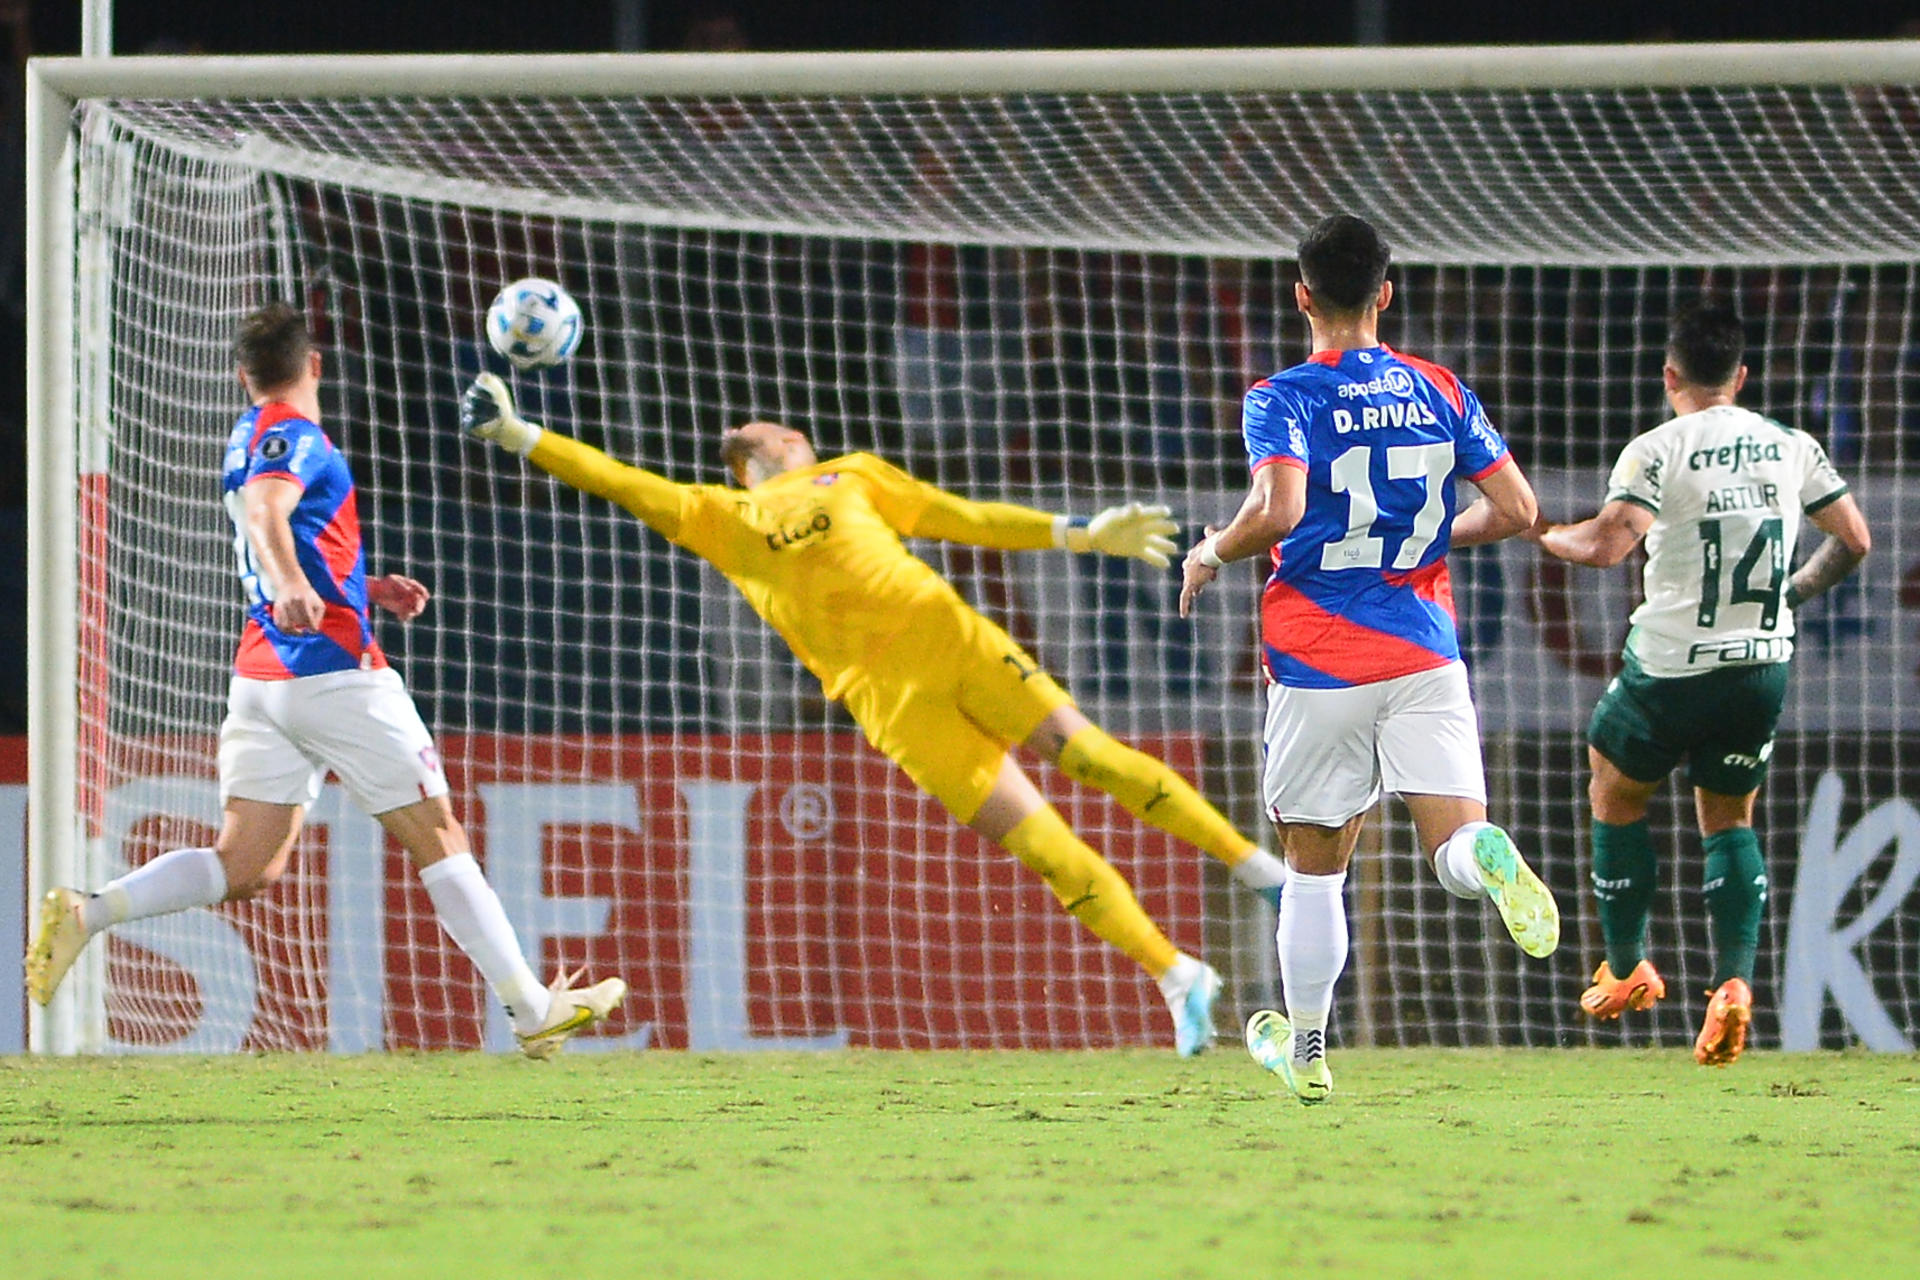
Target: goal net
1040, 279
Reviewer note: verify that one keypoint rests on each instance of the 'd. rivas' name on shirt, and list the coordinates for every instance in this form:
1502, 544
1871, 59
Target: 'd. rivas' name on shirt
1408, 413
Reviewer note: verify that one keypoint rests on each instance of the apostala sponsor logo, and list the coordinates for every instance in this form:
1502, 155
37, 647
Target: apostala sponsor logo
1394, 382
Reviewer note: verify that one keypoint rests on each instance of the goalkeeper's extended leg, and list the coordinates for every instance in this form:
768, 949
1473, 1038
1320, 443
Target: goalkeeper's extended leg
1160, 797
970, 771
1099, 897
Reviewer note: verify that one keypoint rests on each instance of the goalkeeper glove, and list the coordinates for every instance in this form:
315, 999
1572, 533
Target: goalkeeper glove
1135, 530
486, 413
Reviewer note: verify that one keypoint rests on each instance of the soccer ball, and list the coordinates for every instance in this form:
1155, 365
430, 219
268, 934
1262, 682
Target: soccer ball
534, 323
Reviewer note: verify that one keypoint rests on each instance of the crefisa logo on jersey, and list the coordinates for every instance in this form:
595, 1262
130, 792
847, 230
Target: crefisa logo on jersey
1744, 450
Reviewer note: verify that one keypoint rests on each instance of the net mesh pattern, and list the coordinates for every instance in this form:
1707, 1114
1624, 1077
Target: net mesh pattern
1045, 298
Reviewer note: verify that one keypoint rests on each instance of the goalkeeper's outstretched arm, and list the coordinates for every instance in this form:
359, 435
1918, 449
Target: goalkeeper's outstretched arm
1135, 530
487, 413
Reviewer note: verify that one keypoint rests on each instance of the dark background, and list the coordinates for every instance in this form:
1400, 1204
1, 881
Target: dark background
236, 26
253, 26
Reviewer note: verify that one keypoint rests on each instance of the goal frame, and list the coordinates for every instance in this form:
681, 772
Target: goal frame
65, 246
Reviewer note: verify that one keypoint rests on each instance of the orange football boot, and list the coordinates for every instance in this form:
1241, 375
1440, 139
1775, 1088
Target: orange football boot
1724, 1033
1609, 996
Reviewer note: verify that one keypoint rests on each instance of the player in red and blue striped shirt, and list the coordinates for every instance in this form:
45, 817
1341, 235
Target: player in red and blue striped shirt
1354, 456
312, 693
274, 441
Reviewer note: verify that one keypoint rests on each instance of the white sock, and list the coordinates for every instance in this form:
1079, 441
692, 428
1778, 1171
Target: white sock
1178, 977
1260, 870
471, 913
1454, 864
174, 881
1312, 940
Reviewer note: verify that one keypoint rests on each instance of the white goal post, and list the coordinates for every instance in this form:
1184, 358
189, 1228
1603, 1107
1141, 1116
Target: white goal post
1033, 276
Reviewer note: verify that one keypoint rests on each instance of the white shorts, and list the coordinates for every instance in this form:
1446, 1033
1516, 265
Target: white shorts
281, 736
1328, 751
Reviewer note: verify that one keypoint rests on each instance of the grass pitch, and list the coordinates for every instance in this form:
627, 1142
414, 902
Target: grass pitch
1426, 1164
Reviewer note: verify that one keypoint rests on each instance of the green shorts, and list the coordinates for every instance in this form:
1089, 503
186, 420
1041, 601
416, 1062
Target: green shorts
1720, 722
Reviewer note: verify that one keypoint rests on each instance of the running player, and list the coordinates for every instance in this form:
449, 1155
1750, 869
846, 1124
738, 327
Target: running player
815, 548
1718, 493
311, 691
1354, 455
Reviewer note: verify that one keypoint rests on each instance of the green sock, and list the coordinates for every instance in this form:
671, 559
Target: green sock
1736, 891
1624, 876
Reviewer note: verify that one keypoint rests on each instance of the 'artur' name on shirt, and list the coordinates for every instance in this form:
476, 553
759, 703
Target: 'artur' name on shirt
1752, 497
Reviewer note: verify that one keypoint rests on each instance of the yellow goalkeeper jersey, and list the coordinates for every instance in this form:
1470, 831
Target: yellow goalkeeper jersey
816, 551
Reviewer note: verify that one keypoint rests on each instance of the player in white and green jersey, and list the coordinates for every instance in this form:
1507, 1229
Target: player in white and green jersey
1718, 494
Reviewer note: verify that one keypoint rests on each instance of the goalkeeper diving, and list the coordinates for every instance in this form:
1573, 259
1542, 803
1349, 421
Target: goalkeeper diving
815, 547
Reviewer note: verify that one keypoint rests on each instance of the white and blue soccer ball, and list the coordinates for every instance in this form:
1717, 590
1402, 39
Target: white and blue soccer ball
534, 323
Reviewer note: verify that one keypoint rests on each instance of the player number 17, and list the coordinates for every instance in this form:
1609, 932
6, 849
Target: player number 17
1352, 474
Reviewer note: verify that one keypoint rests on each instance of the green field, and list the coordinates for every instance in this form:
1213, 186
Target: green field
1538, 1163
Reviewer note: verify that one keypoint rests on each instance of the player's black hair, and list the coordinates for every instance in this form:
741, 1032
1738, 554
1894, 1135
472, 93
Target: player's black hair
271, 347
1343, 261
1705, 343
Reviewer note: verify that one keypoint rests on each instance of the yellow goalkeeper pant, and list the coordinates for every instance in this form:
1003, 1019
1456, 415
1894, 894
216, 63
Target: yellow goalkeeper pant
1089, 888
